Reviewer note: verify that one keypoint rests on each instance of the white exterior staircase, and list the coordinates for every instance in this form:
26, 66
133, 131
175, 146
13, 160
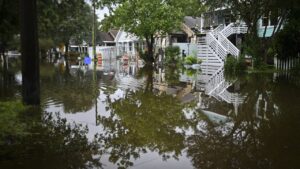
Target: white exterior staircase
214, 47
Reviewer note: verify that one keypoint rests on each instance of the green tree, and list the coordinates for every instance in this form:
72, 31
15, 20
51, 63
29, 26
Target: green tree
9, 26
70, 21
145, 19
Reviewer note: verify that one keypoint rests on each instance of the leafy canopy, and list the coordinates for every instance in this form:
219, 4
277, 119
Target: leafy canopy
145, 18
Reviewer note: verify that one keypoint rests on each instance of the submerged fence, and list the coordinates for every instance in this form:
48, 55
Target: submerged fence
287, 63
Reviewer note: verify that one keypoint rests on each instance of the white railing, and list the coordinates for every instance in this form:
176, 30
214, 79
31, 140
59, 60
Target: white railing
217, 87
216, 46
218, 43
228, 30
216, 31
241, 29
231, 97
214, 81
234, 29
231, 48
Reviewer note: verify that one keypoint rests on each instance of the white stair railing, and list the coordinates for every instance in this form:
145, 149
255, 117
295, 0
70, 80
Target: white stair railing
228, 30
214, 81
231, 48
241, 28
216, 46
216, 31
218, 42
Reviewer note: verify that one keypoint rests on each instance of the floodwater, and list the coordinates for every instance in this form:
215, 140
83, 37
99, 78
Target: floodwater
124, 115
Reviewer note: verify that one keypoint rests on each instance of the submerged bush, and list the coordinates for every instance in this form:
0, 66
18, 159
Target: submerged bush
172, 54
234, 66
189, 60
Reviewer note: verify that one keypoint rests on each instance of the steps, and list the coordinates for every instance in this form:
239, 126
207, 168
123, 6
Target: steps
214, 47
206, 54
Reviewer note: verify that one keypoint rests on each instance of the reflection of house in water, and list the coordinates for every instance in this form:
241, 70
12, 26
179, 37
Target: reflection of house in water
216, 91
125, 76
127, 44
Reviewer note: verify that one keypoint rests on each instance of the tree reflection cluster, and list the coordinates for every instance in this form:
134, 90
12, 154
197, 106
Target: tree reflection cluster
50, 142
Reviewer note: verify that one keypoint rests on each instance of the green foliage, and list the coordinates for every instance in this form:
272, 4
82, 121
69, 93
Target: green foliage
287, 42
9, 120
144, 18
190, 60
46, 44
65, 21
194, 8
191, 72
234, 67
9, 19
253, 47
172, 54
143, 121
51, 142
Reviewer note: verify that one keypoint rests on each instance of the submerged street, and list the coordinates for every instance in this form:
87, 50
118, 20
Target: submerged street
153, 117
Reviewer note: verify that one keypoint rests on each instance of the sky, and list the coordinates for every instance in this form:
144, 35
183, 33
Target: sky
100, 12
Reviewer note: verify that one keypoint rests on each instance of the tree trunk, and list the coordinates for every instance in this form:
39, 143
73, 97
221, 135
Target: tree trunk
150, 53
30, 53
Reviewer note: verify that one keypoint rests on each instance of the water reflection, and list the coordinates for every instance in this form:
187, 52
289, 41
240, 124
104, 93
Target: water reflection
47, 142
145, 115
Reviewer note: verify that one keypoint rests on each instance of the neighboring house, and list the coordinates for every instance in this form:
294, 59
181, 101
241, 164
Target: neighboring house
222, 35
127, 43
187, 33
266, 26
213, 19
185, 37
107, 38
223, 16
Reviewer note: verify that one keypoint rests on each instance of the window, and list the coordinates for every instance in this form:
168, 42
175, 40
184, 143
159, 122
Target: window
270, 19
130, 46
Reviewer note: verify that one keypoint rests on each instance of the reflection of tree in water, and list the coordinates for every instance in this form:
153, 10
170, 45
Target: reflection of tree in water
77, 92
49, 144
251, 142
143, 121
172, 74
9, 88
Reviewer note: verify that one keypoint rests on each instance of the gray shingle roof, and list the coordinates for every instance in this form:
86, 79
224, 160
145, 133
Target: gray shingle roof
192, 22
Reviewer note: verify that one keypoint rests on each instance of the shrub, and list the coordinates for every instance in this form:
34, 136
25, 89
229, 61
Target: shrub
189, 60
234, 67
172, 53
230, 64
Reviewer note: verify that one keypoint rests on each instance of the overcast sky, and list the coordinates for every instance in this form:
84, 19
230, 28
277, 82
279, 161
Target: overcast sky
100, 12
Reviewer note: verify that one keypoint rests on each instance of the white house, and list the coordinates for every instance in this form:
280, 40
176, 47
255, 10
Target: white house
127, 43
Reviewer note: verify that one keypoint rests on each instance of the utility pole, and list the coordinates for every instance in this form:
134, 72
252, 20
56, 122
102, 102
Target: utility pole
94, 33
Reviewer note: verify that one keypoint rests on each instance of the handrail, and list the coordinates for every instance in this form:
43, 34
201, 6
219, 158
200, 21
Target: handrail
231, 48
216, 46
217, 30
232, 28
